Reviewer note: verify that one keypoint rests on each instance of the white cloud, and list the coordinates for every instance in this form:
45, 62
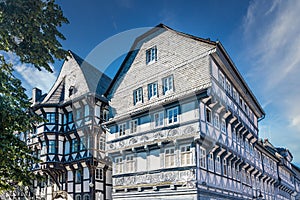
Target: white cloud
30, 76
272, 37
35, 78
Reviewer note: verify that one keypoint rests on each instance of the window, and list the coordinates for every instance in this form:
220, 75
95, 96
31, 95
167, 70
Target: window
78, 113
122, 129
129, 166
152, 90
78, 174
86, 110
168, 84
216, 121
74, 145
169, 157
202, 157
228, 87
119, 165
86, 197
138, 96
224, 167
151, 55
223, 126
44, 148
229, 169
50, 117
71, 90
222, 80
241, 102
218, 164
82, 143
186, 155
99, 174
208, 115
70, 117
51, 146
102, 144
234, 94
172, 115
159, 119
133, 126
211, 161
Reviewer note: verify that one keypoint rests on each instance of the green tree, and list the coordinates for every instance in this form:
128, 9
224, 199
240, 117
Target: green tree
28, 31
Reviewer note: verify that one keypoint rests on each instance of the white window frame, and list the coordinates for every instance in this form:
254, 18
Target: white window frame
208, 116
202, 161
152, 90
228, 87
99, 174
86, 110
122, 129
168, 84
74, 145
222, 79
216, 121
78, 176
210, 162
224, 165
185, 155
169, 160
102, 143
218, 164
51, 146
151, 55
51, 117
158, 119
130, 163
173, 115
138, 96
223, 126
133, 126
119, 165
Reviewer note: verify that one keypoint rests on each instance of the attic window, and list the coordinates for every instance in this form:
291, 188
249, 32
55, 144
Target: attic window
151, 55
71, 90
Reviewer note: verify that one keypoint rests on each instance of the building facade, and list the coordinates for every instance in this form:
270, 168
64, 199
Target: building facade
70, 143
178, 121
184, 125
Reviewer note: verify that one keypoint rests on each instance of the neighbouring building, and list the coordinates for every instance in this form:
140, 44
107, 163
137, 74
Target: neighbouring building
71, 143
184, 125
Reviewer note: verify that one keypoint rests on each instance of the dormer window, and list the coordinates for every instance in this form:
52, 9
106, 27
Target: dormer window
71, 90
138, 96
151, 55
168, 85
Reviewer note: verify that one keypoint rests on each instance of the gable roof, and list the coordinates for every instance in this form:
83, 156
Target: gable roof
143, 36
80, 75
159, 27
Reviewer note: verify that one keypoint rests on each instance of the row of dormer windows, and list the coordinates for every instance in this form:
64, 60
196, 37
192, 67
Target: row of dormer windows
152, 88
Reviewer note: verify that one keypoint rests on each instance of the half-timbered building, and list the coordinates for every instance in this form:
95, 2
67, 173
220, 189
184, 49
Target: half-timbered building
184, 124
71, 143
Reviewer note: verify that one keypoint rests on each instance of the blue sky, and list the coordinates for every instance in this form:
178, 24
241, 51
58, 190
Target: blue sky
261, 36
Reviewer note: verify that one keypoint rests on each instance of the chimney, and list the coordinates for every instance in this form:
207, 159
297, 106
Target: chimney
36, 95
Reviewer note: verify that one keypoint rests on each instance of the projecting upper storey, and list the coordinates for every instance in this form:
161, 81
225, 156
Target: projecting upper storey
165, 65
